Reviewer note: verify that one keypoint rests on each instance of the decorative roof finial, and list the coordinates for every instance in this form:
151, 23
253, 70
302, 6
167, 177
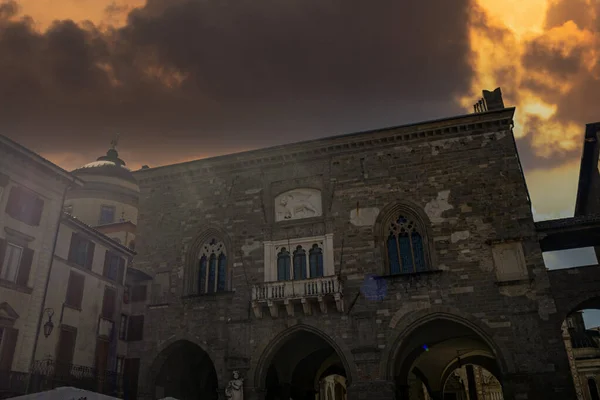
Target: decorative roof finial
115, 141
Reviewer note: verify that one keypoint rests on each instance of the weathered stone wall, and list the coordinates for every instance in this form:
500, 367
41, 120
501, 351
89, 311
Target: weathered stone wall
461, 176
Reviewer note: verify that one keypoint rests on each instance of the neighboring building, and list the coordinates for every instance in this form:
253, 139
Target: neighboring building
32, 191
109, 199
387, 258
583, 349
87, 287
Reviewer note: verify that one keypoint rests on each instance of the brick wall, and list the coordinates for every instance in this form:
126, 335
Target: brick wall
461, 176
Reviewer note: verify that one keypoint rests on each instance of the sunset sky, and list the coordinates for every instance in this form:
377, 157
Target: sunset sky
187, 79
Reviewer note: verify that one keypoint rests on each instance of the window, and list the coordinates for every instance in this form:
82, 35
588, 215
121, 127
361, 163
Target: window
107, 215
15, 263
108, 303
114, 267
123, 327
119, 365
305, 264
212, 268
136, 328
81, 251
404, 245
75, 290
138, 293
10, 265
297, 259
8, 343
24, 206
65, 350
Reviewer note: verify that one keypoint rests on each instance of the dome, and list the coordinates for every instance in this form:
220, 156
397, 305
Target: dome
109, 165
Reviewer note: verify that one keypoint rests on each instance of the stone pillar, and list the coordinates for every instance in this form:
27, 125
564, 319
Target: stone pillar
371, 390
471, 382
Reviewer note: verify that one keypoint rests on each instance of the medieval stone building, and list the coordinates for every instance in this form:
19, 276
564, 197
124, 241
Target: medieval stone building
387, 259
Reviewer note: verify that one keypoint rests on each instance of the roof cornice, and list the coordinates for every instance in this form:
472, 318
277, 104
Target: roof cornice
469, 124
40, 161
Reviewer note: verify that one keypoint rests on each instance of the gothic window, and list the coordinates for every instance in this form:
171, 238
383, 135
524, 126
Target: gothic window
299, 263
315, 258
283, 265
212, 268
404, 246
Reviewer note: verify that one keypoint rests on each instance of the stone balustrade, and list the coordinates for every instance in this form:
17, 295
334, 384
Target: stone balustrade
309, 293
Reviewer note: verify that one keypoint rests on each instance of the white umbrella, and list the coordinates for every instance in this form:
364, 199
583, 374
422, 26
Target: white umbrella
65, 393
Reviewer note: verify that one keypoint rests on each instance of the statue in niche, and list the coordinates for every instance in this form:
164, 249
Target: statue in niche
297, 204
235, 387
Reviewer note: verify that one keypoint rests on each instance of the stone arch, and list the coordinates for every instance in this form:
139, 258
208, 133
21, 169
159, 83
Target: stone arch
268, 352
190, 277
169, 348
410, 322
387, 215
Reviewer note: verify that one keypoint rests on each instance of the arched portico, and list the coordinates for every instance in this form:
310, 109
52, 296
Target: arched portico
428, 347
296, 360
184, 370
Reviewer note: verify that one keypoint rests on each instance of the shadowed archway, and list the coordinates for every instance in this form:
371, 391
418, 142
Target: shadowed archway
185, 372
297, 364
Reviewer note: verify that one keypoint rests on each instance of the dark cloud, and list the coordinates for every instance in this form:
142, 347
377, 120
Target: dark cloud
578, 11
187, 77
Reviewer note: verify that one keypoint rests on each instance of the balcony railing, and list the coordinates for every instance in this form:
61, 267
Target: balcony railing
12, 384
48, 374
304, 291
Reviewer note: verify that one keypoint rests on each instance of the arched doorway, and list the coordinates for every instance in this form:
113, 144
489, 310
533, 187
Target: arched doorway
429, 355
303, 366
581, 336
487, 386
186, 372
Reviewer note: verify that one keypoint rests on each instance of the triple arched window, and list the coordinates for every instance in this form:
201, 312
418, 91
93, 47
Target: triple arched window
212, 267
405, 247
300, 264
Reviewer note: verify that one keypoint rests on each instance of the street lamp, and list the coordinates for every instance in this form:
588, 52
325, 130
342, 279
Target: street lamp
48, 326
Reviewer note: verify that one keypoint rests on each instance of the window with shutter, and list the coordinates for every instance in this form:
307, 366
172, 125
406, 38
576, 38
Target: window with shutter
136, 328
11, 262
75, 290
24, 206
65, 350
121, 273
25, 267
108, 303
111, 266
81, 251
8, 343
123, 327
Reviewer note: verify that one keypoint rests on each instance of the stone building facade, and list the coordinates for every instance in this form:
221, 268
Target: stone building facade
389, 258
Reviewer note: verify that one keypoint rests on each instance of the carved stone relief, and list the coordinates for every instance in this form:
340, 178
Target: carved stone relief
509, 261
298, 204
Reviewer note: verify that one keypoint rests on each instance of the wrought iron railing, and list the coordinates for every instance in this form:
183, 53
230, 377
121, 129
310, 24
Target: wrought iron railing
48, 374
297, 288
12, 383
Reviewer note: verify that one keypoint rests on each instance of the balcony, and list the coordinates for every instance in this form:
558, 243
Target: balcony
311, 294
12, 384
48, 374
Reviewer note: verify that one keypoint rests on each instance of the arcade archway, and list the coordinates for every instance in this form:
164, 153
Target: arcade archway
186, 373
427, 359
303, 366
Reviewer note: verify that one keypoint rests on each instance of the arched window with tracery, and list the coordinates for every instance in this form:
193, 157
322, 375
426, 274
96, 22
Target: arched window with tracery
404, 246
283, 265
212, 267
315, 259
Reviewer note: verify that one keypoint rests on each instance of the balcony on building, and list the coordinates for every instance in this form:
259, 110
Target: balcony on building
320, 294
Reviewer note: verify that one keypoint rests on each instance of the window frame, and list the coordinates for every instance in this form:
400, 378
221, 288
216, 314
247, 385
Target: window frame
272, 249
103, 207
3, 262
389, 215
